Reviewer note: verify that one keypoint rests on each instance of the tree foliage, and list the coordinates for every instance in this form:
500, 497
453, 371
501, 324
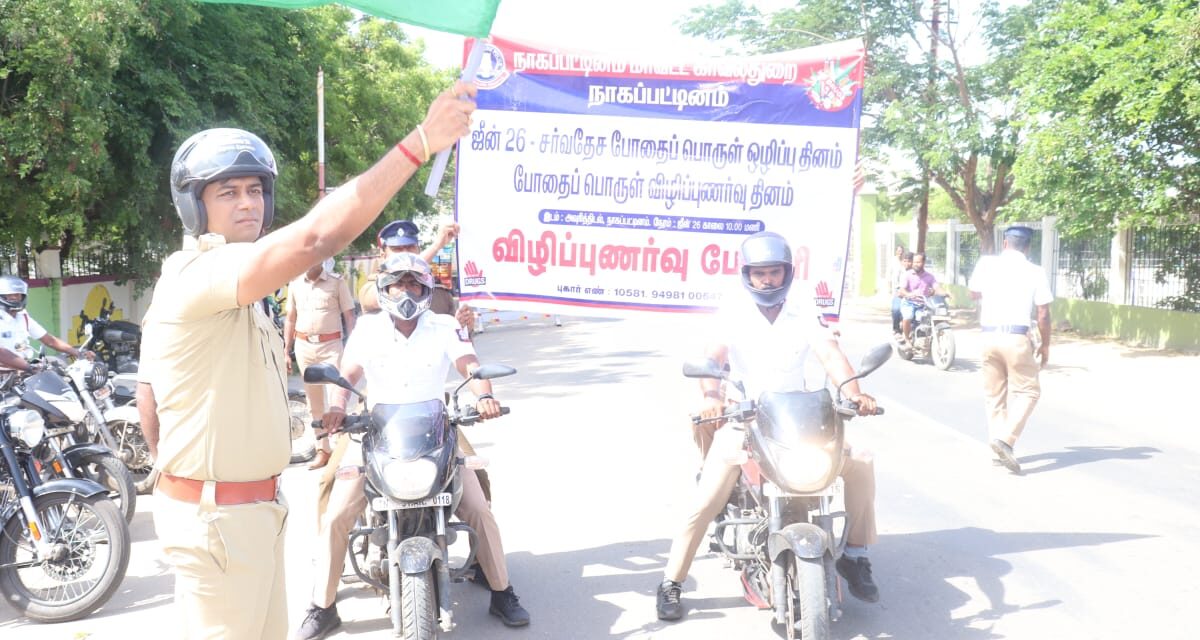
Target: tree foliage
1112, 93
944, 114
96, 95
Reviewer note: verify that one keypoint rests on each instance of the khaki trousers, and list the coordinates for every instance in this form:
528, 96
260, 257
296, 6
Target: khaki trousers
1010, 383
308, 354
717, 479
347, 501
228, 565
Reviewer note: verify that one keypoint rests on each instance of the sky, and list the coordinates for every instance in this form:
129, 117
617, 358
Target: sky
632, 27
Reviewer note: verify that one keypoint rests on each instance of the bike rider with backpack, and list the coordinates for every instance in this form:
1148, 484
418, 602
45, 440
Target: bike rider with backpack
764, 337
405, 354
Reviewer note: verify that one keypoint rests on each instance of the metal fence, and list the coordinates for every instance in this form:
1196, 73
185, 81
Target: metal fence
1164, 268
1081, 267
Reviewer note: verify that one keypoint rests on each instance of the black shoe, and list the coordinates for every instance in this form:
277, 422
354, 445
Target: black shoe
507, 605
669, 607
857, 572
318, 623
478, 578
1004, 452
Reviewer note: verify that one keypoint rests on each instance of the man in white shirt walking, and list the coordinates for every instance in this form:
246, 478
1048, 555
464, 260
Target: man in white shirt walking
1008, 287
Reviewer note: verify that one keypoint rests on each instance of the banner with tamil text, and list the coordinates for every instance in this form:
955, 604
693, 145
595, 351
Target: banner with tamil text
594, 185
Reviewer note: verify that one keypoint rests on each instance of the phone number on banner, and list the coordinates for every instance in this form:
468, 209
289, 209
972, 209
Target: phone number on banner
647, 294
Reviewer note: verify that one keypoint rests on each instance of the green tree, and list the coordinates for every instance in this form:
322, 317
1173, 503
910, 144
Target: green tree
1112, 93
949, 117
96, 95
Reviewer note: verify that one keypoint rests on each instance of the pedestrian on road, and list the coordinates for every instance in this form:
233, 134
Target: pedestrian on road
212, 392
764, 337
405, 355
1008, 287
319, 306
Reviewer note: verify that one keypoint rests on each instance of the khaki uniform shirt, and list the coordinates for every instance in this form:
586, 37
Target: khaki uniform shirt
319, 304
442, 302
217, 369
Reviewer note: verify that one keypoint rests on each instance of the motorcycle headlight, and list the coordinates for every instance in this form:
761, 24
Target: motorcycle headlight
27, 426
96, 376
409, 479
803, 466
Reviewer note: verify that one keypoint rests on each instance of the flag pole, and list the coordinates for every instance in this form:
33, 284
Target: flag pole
439, 163
320, 133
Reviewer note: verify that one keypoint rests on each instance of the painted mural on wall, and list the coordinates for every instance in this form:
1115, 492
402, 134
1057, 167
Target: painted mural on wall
97, 302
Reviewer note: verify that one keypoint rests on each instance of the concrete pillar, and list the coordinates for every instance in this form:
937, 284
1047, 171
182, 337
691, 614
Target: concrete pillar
1049, 248
1118, 271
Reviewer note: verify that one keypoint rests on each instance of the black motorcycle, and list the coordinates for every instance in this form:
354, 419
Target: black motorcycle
73, 446
778, 525
116, 342
64, 547
413, 486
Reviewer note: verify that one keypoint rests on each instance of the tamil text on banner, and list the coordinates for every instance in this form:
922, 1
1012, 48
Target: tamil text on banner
593, 185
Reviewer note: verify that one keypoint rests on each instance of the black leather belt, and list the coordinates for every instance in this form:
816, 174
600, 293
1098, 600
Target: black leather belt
1007, 328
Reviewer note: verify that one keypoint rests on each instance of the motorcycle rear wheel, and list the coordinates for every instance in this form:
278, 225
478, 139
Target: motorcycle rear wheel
941, 349
86, 526
112, 474
418, 615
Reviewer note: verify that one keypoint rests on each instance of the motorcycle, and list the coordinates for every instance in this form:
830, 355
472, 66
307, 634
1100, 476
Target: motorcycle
116, 342
413, 486
779, 523
931, 333
64, 547
77, 442
304, 446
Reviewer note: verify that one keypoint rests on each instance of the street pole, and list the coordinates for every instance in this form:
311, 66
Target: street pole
320, 133
923, 211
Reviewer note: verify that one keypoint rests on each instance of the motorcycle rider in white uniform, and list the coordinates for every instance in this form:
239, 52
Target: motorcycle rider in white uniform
405, 355
17, 327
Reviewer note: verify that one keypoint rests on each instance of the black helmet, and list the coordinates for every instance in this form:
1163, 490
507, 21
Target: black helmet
404, 306
763, 249
12, 285
216, 154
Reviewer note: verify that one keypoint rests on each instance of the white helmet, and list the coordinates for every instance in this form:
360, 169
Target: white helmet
404, 306
10, 285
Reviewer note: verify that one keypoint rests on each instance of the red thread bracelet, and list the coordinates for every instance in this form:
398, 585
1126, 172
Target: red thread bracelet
408, 154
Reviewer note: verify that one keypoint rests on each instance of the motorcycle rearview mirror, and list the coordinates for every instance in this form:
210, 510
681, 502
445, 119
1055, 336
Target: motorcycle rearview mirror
874, 359
703, 369
325, 373
87, 330
489, 371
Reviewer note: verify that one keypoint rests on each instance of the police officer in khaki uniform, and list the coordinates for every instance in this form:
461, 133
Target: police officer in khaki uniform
213, 388
1008, 287
318, 307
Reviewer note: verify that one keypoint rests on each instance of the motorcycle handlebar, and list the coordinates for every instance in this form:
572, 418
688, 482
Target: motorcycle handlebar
352, 424
470, 416
848, 409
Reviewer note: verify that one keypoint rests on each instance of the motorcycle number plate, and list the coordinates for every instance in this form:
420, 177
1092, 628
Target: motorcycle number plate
102, 393
387, 504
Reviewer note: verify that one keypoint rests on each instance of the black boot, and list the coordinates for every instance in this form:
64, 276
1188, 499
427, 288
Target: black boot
669, 606
507, 606
857, 572
319, 622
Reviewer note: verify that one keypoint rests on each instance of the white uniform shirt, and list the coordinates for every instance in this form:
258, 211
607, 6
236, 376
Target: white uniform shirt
768, 356
16, 331
1010, 286
402, 370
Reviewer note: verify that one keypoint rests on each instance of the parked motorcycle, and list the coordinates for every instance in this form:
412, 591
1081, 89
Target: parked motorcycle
116, 342
64, 547
73, 446
931, 335
779, 523
413, 486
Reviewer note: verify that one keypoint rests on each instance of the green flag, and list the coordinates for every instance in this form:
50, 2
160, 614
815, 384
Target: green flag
466, 17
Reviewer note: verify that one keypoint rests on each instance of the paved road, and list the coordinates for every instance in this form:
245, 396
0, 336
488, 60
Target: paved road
592, 473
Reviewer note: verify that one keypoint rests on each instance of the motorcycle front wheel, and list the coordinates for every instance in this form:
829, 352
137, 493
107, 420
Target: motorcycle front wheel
418, 614
95, 543
113, 475
808, 584
941, 351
